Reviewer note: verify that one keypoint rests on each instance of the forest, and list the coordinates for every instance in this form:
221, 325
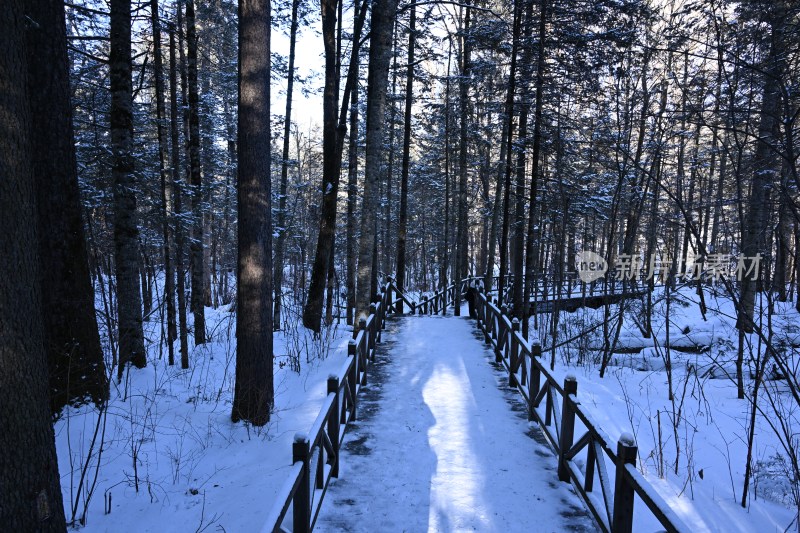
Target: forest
201, 199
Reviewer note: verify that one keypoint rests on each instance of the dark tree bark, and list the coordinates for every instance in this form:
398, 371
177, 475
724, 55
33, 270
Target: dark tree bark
29, 480
126, 231
446, 225
504, 175
178, 200
71, 338
163, 167
254, 393
765, 169
196, 180
383, 16
402, 228
331, 166
352, 193
287, 125
530, 259
313, 309
462, 223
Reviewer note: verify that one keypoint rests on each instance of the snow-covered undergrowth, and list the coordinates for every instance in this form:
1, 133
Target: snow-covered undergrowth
165, 456
693, 447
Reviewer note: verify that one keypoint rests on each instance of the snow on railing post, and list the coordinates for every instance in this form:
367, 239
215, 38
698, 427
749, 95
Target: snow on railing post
535, 380
373, 310
384, 306
622, 522
333, 422
567, 426
362, 326
352, 377
513, 356
302, 498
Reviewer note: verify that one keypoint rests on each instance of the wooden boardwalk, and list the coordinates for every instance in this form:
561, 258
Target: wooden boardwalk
436, 447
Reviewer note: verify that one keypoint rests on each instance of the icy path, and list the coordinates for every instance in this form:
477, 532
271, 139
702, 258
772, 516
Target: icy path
442, 445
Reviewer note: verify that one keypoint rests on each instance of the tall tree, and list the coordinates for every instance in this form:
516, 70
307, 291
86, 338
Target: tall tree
530, 252
126, 230
287, 126
29, 480
195, 179
383, 16
765, 168
163, 168
462, 218
254, 392
402, 228
178, 200
71, 338
352, 192
331, 167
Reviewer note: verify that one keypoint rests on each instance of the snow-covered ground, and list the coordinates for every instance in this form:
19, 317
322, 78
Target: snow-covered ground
171, 460
712, 428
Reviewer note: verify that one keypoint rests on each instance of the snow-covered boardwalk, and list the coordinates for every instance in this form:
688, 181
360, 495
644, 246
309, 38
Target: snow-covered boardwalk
442, 445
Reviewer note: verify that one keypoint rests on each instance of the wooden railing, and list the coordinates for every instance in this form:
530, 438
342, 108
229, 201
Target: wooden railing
315, 455
559, 414
427, 305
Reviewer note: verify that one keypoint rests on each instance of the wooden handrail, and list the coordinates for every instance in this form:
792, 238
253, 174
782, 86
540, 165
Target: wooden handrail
613, 510
304, 490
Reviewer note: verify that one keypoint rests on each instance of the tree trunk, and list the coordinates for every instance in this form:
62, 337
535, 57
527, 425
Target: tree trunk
280, 241
505, 158
402, 229
71, 338
31, 487
254, 393
163, 153
764, 172
177, 192
463, 226
312, 312
195, 180
383, 15
446, 225
126, 231
352, 193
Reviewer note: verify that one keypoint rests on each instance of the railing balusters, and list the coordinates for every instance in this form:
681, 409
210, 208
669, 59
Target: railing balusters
513, 354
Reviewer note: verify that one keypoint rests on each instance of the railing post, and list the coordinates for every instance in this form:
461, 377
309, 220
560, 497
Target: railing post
501, 336
333, 422
302, 498
352, 378
487, 338
513, 356
384, 306
376, 327
622, 521
535, 381
567, 426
